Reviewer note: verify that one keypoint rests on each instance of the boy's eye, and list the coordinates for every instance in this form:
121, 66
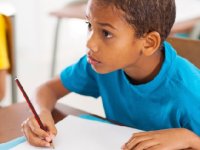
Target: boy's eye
89, 25
107, 34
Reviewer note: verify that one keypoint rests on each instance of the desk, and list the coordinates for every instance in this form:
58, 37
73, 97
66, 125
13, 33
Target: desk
184, 26
12, 116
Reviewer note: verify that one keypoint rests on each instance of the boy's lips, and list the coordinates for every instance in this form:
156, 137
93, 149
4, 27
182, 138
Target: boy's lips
93, 61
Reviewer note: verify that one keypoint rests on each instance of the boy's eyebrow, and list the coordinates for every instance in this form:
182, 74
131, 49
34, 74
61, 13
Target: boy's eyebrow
107, 24
102, 24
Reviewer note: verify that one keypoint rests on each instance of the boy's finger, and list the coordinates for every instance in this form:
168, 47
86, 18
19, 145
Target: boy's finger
39, 142
52, 130
33, 139
35, 128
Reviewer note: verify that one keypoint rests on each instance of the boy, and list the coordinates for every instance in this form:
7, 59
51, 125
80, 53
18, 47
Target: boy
142, 81
4, 63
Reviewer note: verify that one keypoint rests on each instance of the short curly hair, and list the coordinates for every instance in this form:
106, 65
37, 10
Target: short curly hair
147, 15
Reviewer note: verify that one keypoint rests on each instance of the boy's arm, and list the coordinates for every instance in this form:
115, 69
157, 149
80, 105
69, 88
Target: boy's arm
48, 93
46, 97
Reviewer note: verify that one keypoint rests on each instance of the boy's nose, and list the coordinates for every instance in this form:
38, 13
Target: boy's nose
92, 43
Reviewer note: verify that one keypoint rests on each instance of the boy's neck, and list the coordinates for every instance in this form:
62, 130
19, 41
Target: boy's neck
148, 71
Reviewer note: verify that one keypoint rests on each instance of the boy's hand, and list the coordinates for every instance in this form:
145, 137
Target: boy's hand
36, 136
172, 139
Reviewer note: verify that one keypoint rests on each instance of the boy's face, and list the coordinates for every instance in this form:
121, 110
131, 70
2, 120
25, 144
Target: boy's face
112, 44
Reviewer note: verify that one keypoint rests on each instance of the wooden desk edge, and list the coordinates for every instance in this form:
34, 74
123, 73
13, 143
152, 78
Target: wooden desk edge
12, 116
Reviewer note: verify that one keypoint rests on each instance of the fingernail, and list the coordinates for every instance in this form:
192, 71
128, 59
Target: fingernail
123, 147
48, 139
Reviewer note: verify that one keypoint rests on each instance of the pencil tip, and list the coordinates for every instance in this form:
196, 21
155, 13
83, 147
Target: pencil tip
52, 145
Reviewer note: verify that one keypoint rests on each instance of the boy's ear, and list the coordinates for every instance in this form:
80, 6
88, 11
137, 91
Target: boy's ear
151, 43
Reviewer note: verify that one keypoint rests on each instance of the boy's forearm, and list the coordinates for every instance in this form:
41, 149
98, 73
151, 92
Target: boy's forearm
48, 93
45, 98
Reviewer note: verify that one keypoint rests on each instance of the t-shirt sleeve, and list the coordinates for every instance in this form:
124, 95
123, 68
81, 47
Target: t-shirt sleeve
80, 78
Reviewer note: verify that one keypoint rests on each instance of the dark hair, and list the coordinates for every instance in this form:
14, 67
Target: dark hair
147, 15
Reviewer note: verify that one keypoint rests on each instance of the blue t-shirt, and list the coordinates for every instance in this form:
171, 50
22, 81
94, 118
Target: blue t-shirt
170, 100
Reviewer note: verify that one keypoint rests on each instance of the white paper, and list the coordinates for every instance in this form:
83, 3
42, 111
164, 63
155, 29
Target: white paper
80, 134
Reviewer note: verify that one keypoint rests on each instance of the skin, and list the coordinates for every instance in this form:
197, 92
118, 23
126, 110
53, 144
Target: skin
112, 45
46, 96
2, 83
169, 139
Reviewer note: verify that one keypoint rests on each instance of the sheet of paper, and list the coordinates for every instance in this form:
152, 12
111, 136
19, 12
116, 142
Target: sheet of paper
80, 134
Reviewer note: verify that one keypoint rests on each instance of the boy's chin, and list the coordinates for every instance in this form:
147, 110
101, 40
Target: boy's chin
101, 71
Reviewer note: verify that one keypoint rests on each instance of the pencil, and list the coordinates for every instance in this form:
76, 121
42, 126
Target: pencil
32, 108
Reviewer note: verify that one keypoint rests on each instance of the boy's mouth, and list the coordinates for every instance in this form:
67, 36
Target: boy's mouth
93, 61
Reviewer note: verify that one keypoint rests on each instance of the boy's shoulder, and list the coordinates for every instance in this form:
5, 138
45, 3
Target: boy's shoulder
184, 75
186, 69
182, 66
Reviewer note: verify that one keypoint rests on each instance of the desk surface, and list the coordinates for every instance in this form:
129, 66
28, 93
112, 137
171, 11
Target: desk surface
12, 116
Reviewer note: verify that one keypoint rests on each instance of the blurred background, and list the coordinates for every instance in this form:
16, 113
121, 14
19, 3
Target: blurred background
34, 37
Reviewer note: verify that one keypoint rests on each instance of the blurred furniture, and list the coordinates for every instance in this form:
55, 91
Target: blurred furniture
186, 26
187, 17
187, 48
74, 9
195, 33
12, 116
8, 11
